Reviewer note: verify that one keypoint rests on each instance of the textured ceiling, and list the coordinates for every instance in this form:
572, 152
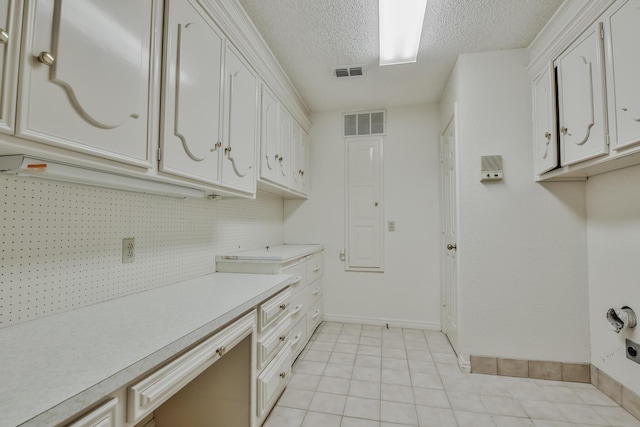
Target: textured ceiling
309, 37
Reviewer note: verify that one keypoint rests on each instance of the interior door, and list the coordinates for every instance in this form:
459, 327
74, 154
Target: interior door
450, 235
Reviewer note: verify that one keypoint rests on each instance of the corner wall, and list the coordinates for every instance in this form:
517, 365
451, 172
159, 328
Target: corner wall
522, 245
408, 292
613, 212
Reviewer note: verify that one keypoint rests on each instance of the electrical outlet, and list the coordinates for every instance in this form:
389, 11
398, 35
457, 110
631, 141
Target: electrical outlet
128, 250
392, 225
633, 350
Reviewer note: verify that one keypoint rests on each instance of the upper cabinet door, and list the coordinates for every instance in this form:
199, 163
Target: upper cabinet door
10, 20
284, 159
87, 72
192, 103
270, 136
240, 124
622, 27
582, 114
297, 154
544, 126
306, 159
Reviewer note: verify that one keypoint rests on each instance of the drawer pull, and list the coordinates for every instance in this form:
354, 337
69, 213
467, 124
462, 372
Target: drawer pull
316, 268
282, 337
283, 374
297, 281
295, 340
296, 310
221, 350
283, 306
316, 314
315, 292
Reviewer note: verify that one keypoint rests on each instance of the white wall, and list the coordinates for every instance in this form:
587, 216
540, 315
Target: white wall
61, 243
613, 211
522, 245
408, 292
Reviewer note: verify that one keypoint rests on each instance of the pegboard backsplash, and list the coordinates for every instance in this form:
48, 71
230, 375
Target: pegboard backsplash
61, 244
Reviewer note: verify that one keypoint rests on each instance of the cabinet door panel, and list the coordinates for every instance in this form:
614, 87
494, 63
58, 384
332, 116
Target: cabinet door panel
10, 19
270, 136
581, 100
94, 97
306, 163
193, 96
545, 138
623, 29
284, 161
241, 124
296, 156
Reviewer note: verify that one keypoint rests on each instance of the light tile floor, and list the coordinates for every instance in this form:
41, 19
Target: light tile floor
369, 376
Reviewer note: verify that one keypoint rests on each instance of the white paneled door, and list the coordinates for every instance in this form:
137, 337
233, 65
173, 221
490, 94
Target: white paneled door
365, 239
450, 235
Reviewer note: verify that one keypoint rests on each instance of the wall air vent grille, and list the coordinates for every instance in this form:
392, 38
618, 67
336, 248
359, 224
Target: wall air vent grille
364, 123
350, 71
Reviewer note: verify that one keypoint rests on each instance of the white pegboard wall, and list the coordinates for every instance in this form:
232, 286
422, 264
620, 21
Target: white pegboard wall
61, 244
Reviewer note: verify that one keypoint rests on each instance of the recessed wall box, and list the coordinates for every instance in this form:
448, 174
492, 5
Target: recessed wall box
491, 168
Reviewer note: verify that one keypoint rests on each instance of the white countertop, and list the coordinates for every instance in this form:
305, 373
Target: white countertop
54, 367
278, 254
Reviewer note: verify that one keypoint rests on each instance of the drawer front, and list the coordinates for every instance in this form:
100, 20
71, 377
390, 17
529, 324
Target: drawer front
272, 341
271, 310
314, 317
298, 337
151, 392
315, 292
300, 272
103, 416
273, 380
299, 305
315, 267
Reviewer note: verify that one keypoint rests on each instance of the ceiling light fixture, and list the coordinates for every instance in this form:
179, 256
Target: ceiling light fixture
400, 30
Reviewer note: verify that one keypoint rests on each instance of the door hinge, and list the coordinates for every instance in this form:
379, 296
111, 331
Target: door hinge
159, 153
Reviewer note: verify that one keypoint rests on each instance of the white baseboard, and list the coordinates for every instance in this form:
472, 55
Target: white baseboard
464, 365
392, 323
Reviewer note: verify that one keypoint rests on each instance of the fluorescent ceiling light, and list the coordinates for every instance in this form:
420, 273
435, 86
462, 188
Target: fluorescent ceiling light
59, 171
400, 30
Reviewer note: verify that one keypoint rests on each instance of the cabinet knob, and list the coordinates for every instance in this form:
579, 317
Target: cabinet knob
46, 58
280, 159
227, 150
283, 375
452, 247
282, 337
4, 37
221, 351
283, 306
547, 135
216, 146
277, 156
564, 130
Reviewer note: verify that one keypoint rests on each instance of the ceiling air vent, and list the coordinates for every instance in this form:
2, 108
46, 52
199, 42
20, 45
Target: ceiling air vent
364, 123
351, 71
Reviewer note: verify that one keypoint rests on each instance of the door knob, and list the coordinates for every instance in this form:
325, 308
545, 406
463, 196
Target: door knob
452, 247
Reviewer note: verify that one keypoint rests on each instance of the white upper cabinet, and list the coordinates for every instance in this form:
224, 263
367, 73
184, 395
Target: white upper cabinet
10, 20
284, 152
622, 27
306, 163
544, 126
240, 123
86, 75
192, 103
581, 99
270, 134
297, 156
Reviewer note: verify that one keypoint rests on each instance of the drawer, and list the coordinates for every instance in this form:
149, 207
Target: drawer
103, 416
299, 305
300, 272
298, 336
314, 317
270, 311
272, 381
315, 267
315, 292
146, 395
272, 341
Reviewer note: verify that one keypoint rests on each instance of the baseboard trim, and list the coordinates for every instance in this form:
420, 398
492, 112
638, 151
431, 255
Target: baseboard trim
393, 323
